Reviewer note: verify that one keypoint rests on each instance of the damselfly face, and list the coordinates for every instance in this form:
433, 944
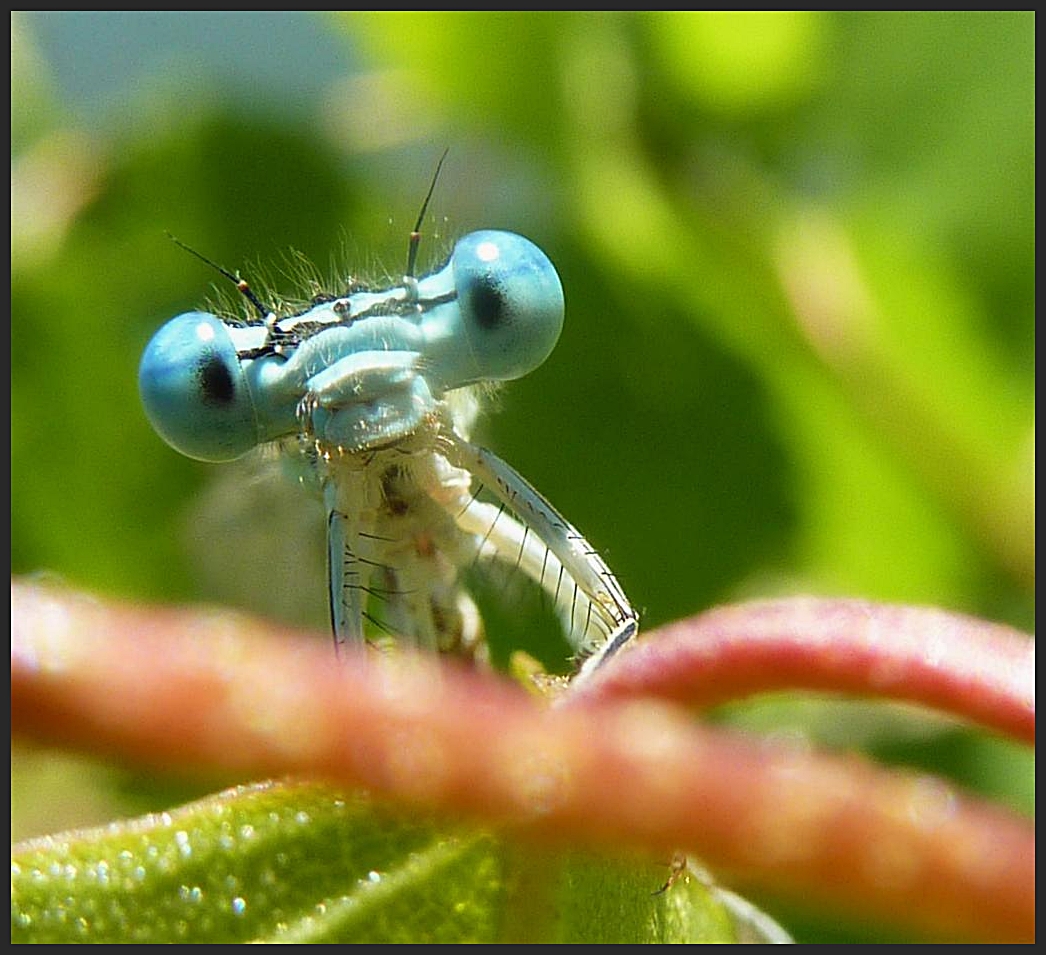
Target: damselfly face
374, 389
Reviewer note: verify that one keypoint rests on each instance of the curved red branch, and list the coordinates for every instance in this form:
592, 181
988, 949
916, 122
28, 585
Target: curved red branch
981, 671
197, 690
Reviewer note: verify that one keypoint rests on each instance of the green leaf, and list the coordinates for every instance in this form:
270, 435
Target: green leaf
293, 862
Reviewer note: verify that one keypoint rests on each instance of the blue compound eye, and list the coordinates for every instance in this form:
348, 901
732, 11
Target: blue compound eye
511, 303
194, 390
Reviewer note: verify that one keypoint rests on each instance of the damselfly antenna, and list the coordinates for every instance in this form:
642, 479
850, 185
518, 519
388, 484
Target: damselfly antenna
415, 235
241, 284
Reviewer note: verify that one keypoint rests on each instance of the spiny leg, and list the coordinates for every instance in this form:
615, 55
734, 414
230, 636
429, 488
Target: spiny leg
549, 549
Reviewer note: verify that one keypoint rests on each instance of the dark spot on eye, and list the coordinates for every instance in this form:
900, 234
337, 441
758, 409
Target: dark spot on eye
486, 302
216, 383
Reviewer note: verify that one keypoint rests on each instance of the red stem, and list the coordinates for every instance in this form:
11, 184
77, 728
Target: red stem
984, 672
196, 690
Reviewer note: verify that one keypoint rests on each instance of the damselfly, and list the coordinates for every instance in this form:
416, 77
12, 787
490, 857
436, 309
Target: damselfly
376, 388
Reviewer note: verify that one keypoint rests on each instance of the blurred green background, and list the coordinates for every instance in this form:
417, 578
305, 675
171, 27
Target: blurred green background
798, 256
